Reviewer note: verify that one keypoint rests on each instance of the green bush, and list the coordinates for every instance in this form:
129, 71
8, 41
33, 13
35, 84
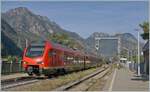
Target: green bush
10, 58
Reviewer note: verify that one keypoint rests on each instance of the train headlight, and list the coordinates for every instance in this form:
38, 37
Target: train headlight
25, 62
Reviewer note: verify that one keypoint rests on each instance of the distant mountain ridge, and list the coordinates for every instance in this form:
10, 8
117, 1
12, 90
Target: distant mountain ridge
32, 27
20, 24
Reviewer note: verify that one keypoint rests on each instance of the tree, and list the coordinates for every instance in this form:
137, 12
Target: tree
145, 27
65, 39
124, 53
135, 57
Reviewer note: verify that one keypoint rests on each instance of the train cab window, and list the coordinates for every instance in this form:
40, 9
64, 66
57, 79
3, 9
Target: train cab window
34, 51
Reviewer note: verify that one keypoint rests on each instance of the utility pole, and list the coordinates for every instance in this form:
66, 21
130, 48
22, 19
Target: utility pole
138, 54
96, 45
138, 51
119, 45
19, 43
26, 43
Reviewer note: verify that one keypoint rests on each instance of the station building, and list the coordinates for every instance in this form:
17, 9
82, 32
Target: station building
146, 58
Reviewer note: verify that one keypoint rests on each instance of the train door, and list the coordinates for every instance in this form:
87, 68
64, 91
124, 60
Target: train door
50, 58
52, 55
59, 58
54, 58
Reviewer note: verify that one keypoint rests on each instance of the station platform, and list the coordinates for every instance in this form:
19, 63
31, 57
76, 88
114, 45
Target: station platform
124, 80
13, 76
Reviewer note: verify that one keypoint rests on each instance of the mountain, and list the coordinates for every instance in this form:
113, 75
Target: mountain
128, 41
8, 46
22, 19
21, 24
26, 25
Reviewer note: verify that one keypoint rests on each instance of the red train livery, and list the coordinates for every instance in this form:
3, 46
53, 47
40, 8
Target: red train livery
47, 57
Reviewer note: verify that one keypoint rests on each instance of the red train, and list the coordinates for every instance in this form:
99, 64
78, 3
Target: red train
47, 58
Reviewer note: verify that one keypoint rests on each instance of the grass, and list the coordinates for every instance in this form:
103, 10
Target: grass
98, 84
50, 84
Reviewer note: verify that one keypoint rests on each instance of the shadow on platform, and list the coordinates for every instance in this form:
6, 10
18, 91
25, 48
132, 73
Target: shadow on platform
140, 78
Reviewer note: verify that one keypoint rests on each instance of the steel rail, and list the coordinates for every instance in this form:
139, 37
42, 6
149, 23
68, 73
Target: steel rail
77, 82
19, 81
9, 83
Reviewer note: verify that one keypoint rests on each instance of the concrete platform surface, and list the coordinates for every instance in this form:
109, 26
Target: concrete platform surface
125, 80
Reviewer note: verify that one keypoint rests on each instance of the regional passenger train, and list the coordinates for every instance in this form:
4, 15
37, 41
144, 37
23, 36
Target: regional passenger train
47, 58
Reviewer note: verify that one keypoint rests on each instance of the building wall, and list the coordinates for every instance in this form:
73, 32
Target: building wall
146, 62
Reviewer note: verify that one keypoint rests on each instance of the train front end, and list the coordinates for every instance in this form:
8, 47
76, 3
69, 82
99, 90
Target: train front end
33, 59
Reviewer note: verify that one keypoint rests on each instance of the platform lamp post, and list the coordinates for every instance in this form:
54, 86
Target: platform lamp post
26, 42
138, 51
96, 47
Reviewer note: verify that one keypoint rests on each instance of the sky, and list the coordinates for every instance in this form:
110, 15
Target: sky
85, 18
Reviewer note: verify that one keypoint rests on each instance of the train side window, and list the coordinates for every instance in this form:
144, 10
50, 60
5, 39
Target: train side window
52, 53
65, 58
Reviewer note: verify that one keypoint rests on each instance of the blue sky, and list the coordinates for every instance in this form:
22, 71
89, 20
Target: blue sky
85, 18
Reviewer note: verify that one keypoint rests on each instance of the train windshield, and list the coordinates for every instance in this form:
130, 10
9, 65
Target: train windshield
35, 51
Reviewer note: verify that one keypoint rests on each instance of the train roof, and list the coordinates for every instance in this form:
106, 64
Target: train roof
66, 49
62, 48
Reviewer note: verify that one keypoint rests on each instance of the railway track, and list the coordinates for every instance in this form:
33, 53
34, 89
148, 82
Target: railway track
101, 73
19, 81
5, 84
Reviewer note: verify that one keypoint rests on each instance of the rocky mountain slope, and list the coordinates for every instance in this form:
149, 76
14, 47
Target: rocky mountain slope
21, 24
22, 19
8, 46
26, 25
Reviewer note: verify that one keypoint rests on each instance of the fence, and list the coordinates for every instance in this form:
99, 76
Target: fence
11, 67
